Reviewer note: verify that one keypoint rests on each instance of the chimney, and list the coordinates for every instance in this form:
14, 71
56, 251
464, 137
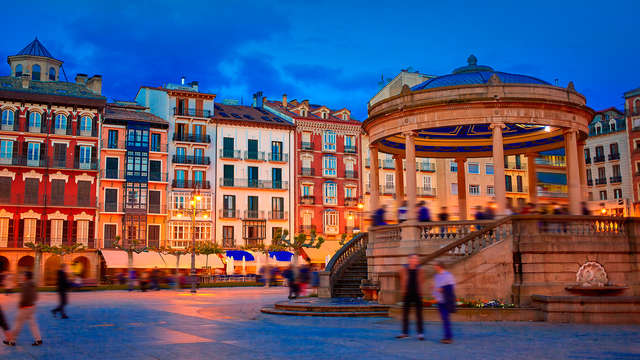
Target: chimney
284, 100
25, 80
258, 99
182, 79
194, 85
95, 84
81, 79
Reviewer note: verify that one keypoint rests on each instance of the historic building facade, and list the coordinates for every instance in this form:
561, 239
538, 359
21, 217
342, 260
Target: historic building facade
133, 176
192, 157
328, 186
632, 118
48, 158
254, 189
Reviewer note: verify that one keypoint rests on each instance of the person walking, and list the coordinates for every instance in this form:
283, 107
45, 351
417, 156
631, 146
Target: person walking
27, 310
63, 286
290, 275
444, 294
443, 216
378, 216
423, 212
402, 212
8, 339
411, 280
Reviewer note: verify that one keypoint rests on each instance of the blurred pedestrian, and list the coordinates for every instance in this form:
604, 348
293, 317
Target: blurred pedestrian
289, 274
7, 280
585, 209
423, 212
8, 339
411, 280
155, 279
489, 212
443, 216
27, 309
144, 281
132, 279
444, 294
402, 212
62, 287
303, 282
378, 216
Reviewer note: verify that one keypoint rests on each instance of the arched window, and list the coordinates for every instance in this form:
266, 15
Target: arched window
7, 118
636, 106
35, 72
85, 124
18, 70
52, 74
35, 121
612, 125
61, 123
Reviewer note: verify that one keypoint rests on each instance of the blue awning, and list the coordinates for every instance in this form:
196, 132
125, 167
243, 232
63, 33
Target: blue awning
556, 152
552, 178
237, 255
281, 255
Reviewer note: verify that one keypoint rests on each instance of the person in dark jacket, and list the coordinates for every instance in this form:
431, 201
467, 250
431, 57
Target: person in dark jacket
444, 294
411, 280
8, 340
63, 287
27, 309
423, 212
290, 275
378, 216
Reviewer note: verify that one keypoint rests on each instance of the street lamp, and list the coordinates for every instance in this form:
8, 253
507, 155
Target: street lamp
194, 212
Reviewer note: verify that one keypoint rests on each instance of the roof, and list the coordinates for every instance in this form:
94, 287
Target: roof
35, 48
288, 110
474, 74
132, 113
244, 113
60, 88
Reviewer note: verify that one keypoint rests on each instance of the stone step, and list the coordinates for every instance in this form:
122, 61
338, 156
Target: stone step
329, 308
274, 311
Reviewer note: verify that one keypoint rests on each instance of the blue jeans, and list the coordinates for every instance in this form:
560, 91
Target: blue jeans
444, 314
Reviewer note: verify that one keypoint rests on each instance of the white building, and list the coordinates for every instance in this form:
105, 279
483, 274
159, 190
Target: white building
254, 188
192, 157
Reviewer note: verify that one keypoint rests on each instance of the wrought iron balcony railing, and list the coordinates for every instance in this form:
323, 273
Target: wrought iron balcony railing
205, 139
230, 154
191, 159
192, 112
190, 184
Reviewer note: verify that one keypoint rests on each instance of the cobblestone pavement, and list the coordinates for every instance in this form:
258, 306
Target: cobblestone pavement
226, 324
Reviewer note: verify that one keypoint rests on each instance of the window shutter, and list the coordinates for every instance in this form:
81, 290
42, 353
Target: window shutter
27, 113
43, 122
52, 127
70, 124
91, 235
38, 231
94, 152
76, 157
10, 234
25, 149
21, 233
94, 126
43, 153
65, 232
47, 237
15, 152
74, 232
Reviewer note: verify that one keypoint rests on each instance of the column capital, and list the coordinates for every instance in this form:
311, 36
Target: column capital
461, 159
373, 146
397, 156
569, 131
497, 125
410, 133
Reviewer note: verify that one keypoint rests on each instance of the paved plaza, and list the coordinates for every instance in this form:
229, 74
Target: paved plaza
226, 324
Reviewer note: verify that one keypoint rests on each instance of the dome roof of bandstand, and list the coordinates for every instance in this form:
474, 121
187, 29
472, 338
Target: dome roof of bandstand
451, 115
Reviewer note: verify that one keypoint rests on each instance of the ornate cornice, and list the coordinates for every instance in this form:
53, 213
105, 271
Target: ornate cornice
32, 175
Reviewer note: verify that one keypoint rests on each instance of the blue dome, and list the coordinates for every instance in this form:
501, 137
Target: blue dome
474, 74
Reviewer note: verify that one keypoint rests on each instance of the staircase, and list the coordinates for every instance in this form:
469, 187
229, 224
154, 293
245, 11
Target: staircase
348, 285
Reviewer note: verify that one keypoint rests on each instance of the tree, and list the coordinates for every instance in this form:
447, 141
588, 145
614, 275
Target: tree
300, 241
177, 253
209, 248
40, 248
130, 247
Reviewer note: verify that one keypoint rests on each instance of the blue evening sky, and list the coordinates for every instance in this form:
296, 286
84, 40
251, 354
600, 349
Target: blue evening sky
330, 52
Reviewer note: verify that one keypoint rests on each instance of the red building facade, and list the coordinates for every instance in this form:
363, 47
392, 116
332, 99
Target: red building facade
632, 113
48, 155
328, 187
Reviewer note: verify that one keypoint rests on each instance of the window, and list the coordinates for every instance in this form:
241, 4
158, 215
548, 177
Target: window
228, 206
276, 151
84, 193
613, 149
252, 176
426, 182
599, 152
587, 155
179, 232
52, 74
60, 123
277, 207
35, 121
155, 142
7, 117
453, 166
454, 188
31, 187
603, 195
329, 141
252, 207
252, 149
518, 162
508, 183
5, 188
612, 125
30, 229
153, 236
6, 151
33, 154
228, 147
388, 184
85, 125
589, 176
197, 131
35, 72
110, 200
19, 70
154, 201
112, 139
135, 195
590, 196
82, 236
227, 237
617, 193
228, 173
330, 193
57, 232
138, 138
349, 143
276, 178
330, 165
85, 155
490, 190
198, 178
155, 170
602, 174
616, 170
331, 221
474, 189
349, 192
198, 155
307, 190
488, 169
137, 164
474, 168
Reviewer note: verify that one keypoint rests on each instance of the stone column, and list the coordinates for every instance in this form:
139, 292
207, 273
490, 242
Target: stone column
374, 174
499, 186
583, 171
462, 189
410, 151
533, 177
399, 181
573, 171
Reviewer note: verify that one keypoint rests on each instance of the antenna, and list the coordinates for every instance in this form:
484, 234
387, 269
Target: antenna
65, 73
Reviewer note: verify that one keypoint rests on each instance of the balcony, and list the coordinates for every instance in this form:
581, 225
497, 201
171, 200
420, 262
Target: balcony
350, 149
307, 200
614, 156
118, 145
11, 127
278, 157
253, 243
598, 158
601, 181
587, 160
112, 174
425, 166
513, 166
387, 189
519, 190
307, 229
589, 182
62, 131
552, 194
254, 183
191, 160
307, 171
192, 112
350, 174
551, 162
304, 145
158, 176
253, 214
351, 202
229, 214
635, 128
204, 139
41, 200
278, 215
156, 209
426, 191
230, 154
615, 179
228, 243
85, 165
190, 184
254, 155
388, 164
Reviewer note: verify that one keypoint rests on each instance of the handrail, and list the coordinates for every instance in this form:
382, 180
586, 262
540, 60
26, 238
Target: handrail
340, 259
465, 239
343, 250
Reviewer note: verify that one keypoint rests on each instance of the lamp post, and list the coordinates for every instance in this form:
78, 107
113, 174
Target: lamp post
360, 211
193, 213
